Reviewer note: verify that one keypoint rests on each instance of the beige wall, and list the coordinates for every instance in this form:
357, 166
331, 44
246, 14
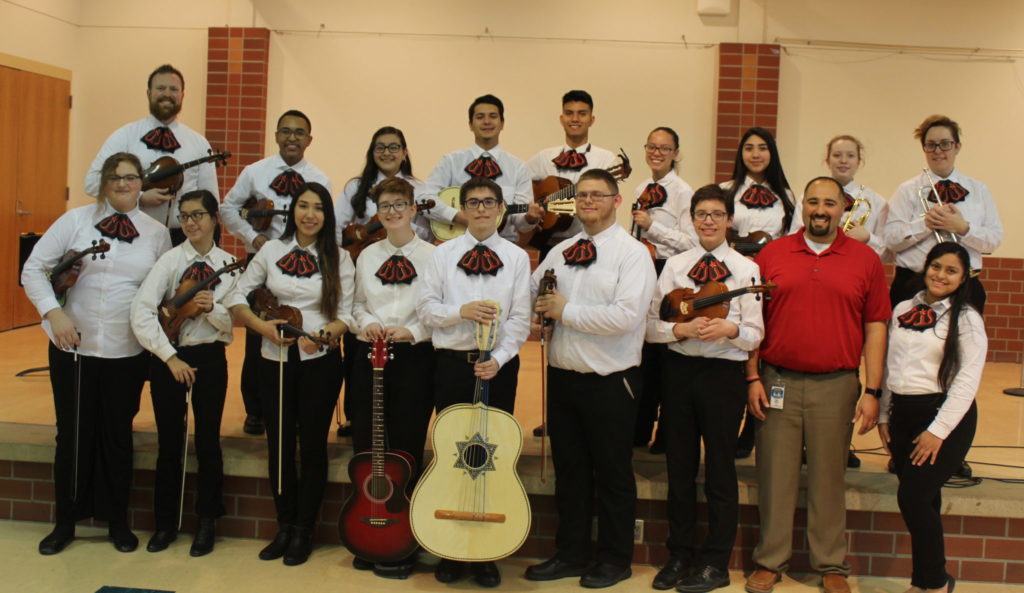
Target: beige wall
378, 73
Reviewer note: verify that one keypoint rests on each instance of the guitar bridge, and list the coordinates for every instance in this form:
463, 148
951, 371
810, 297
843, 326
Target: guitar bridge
378, 521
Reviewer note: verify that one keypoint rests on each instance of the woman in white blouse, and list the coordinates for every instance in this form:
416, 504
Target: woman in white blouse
193, 364
97, 367
304, 269
759, 186
937, 349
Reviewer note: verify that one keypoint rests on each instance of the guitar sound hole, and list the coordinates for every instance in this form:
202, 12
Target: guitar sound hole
474, 456
378, 488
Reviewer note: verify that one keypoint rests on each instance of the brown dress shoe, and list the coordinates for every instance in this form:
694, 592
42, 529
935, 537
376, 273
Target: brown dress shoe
762, 580
835, 583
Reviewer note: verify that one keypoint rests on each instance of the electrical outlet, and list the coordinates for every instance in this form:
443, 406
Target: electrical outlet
638, 531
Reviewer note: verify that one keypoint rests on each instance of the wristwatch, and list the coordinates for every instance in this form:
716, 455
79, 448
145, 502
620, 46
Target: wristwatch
873, 391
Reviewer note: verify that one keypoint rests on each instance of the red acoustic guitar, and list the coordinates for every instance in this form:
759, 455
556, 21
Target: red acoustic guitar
374, 523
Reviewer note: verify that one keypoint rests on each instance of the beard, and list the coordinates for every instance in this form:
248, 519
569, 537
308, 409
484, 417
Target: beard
164, 111
819, 232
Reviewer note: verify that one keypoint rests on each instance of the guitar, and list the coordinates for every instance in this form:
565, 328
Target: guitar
374, 523
470, 504
557, 189
64, 275
175, 311
445, 231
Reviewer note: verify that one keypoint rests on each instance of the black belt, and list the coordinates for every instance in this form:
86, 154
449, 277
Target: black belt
782, 369
467, 356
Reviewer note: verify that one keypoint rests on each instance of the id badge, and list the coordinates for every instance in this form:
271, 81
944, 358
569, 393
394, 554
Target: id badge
777, 397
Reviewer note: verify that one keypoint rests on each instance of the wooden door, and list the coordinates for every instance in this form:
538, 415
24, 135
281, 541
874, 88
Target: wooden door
34, 123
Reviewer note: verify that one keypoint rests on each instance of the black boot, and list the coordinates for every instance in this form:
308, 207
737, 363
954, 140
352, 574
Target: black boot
206, 533
58, 539
275, 549
300, 546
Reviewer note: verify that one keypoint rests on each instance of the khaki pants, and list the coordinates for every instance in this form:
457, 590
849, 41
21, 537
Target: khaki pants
817, 414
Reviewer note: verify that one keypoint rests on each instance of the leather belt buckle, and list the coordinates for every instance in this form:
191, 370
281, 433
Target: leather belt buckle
472, 357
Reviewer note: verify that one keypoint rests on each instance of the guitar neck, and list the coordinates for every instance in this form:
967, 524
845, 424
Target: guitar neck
481, 392
719, 298
378, 446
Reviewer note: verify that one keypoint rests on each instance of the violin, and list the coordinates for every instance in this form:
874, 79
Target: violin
64, 275
167, 173
265, 305
748, 244
357, 237
175, 311
260, 213
643, 203
712, 301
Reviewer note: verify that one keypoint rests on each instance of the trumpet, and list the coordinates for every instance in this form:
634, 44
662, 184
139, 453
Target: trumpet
922, 193
863, 218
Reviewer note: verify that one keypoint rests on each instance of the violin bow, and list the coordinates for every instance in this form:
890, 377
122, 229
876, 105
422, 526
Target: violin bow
184, 458
280, 401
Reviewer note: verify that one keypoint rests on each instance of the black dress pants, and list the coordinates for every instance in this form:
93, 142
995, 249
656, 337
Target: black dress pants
454, 382
310, 392
920, 491
408, 398
702, 400
168, 397
110, 390
591, 420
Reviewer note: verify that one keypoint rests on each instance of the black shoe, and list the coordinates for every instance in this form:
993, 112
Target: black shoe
253, 425
395, 570
275, 549
950, 583
743, 453
449, 571
123, 538
964, 471
486, 574
657, 447
206, 533
604, 574
300, 546
57, 540
706, 579
345, 430
852, 460
360, 564
539, 431
669, 576
161, 539
554, 569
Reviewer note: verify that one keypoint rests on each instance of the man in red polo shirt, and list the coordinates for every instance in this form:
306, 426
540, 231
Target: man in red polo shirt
830, 307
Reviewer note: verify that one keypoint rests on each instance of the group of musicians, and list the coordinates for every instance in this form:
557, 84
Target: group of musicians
803, 315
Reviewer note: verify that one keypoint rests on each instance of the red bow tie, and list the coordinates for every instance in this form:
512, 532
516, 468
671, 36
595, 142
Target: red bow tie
950, 191
199, 271
758, 196
918, 319
708, 269
118, 226
481, 259
656, 195
287, 184
849, 201
581, 253
570, 160
397, 269
161, 138
299, 263
484, 166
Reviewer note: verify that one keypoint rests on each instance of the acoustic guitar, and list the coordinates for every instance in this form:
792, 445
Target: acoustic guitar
445, 231
470, 504
374, 523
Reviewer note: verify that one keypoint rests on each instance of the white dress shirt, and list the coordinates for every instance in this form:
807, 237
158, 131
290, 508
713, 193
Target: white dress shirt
345, 214
602, 326
908, 238
514, 182
541, 167
162, 283
912, 364
446, 287
744, 310
254, 181
747, 220
128, 138
671, 229
391, 304
874, 225
303, 293
99, 302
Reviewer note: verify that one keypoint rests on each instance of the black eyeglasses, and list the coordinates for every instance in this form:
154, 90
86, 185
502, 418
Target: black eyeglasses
487, 203
392, 148
943, 146
124, 178
396, 206
299, 133
197, 216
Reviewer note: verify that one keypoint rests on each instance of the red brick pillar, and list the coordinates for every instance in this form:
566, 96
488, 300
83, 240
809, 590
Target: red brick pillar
748, 95
236, 103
